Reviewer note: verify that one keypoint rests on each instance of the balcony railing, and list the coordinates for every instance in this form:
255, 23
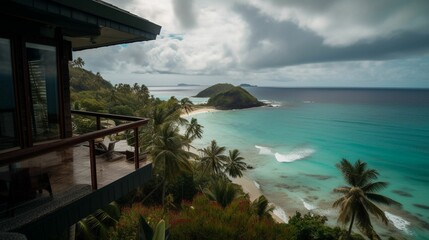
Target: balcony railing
36, 160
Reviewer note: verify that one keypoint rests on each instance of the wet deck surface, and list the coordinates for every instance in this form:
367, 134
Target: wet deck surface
69, 167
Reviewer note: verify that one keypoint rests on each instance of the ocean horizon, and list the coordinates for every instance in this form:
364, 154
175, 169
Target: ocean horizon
295, 145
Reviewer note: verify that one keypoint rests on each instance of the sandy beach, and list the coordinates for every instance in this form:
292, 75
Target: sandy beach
254, 192
248, 186
199, 110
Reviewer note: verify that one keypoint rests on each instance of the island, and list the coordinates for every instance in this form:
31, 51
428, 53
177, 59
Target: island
214, 90
227, 96
247, 85
187, 85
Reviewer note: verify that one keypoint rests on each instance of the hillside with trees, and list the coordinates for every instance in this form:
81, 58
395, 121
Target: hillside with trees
235, 98
91, 92
84, 80
215, 89
226, 96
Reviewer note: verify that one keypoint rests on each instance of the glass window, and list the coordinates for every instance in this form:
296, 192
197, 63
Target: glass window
8, 131
42, 69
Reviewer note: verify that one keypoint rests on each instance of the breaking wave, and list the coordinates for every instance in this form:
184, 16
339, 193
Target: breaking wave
271, 103
308, 206
257, 185
294, 155
264, 150
280, 213
399, 222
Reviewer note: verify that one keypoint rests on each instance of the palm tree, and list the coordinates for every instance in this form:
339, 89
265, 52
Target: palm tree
96, 225
186, 105
213, 158
169, 155
163, 114
160, 114
235, 165
357, 200
79, 63
223, 192
193, 131
262, 207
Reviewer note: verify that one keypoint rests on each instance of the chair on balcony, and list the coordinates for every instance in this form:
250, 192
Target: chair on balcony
106, 150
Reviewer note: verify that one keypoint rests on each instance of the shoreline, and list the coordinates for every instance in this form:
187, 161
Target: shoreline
399, 224
246, 183
254, 192
199, 110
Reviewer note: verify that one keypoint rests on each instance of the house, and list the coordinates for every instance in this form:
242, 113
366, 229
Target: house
49, 179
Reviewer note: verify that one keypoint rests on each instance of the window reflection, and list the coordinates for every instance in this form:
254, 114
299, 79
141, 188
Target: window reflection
42, 71
8, 132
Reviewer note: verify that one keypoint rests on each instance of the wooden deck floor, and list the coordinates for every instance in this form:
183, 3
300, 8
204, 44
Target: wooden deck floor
70, 167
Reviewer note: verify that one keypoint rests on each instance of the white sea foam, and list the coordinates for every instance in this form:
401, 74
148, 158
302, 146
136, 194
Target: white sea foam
308, 206
294, 155
264, 150
257, 185
280, 213
271, 103
399, 222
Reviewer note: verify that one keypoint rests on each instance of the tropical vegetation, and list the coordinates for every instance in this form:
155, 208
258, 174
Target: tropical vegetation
215, 90
190, 192
234, 98
359, 197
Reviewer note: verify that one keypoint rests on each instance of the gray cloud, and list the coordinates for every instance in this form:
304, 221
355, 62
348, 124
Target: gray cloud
185, 12
273, 43
270, 42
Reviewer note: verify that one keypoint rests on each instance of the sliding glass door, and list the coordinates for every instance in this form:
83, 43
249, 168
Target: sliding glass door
43, 80
8, 124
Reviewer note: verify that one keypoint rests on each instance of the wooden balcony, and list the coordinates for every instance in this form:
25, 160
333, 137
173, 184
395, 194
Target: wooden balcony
36, 176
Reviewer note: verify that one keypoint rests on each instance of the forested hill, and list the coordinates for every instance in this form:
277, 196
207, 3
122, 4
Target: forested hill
235, 98
215, 89
91, 92
84, 80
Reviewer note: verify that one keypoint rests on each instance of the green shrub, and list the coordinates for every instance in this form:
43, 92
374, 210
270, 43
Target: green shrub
311, 226
204, 219
129, 223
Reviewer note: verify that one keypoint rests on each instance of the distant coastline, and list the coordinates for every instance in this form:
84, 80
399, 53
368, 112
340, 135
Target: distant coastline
187, 85
247, 85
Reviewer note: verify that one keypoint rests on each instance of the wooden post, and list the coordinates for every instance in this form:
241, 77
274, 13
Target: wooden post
136, 148
98, 122
93, 164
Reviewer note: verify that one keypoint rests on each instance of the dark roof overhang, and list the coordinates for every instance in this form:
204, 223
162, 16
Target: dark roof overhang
85, 23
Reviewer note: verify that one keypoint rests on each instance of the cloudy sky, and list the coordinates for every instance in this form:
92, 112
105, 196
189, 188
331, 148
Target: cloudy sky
290, 43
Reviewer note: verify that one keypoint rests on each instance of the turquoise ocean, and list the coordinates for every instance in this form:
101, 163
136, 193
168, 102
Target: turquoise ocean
295, 145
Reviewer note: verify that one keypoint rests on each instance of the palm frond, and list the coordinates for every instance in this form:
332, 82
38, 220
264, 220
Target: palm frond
374, 187
347, 171
362, 217
339, 201
222, 192
234, 164
343, 189
376, 211
381, 199
262, 207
